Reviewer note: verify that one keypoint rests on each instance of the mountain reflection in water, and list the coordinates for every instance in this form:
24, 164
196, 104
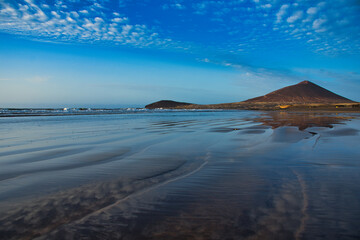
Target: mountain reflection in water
301, 120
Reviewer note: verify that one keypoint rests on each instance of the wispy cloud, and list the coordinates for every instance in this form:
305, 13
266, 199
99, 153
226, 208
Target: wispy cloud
256, 79
38, 79
327, 27
296, 16
281, 13
88, 23
234, 27
175, 4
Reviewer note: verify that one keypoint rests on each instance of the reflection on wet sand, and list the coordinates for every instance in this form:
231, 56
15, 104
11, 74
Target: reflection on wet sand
301, 120
38, 217
182, 176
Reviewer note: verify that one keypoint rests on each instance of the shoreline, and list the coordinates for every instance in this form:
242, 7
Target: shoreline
297, 110
313, 107
238, 106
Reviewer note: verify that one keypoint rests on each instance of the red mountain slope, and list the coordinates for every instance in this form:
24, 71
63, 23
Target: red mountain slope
303, 92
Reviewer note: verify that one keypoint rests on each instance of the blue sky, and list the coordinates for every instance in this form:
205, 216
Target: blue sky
130, 53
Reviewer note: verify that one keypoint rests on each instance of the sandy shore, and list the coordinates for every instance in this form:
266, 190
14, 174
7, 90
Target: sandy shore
180, 175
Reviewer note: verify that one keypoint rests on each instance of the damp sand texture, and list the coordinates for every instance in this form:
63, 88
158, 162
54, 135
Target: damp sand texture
181, 175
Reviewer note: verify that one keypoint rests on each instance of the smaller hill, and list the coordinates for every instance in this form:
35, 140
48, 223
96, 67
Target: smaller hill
166, 104
301, 93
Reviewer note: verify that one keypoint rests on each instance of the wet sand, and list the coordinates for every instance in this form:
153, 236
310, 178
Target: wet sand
181, 175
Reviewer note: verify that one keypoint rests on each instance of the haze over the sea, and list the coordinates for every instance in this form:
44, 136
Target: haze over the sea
96, 53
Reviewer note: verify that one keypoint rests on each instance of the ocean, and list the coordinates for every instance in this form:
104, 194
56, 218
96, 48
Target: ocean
142, 174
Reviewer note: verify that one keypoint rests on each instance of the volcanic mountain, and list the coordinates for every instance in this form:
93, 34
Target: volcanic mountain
301, 93
166, 104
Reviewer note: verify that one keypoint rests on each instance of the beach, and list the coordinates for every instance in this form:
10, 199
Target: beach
180, 175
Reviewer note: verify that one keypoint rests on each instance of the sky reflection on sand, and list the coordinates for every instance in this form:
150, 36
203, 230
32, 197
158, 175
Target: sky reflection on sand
221, 175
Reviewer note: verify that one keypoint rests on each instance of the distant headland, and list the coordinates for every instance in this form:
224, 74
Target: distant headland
166, 104
302, 96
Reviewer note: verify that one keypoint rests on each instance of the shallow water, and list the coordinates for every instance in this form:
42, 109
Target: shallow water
181, 175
